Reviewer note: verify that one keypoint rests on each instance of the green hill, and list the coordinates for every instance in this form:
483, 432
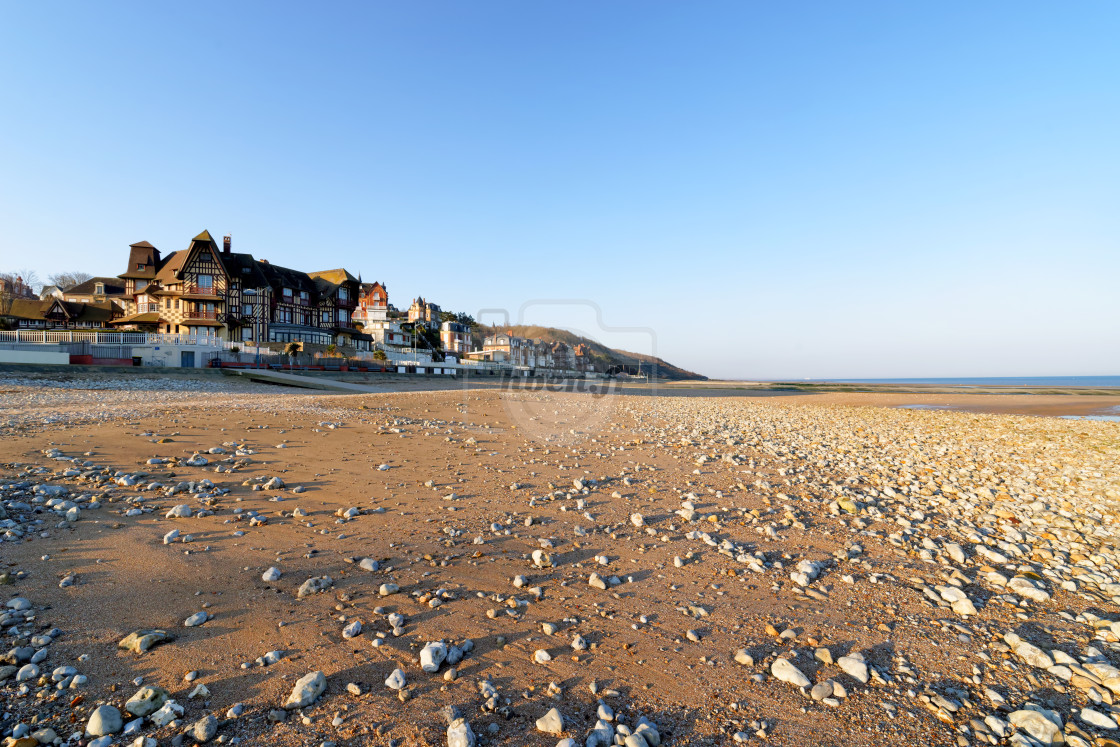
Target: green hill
655, 367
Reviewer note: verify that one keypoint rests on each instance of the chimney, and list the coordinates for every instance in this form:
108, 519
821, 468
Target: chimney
226, 241
264, 261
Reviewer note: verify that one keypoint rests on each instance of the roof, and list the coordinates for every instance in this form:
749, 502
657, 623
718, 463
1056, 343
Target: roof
243, 267
325, 287
143, 261
283, 277
149, 317
338, 276
171, 266
204, 236
78, 312
113, 287
26, 308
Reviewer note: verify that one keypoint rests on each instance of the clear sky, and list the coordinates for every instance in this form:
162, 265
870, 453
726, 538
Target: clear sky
806, 189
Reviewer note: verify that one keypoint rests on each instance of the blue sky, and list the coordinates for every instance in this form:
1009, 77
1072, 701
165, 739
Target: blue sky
756, 190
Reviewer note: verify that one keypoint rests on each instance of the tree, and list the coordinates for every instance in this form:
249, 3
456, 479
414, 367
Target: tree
66, 280
20, 283
292, 349
332, 350
460, 317
16, 285
379, 355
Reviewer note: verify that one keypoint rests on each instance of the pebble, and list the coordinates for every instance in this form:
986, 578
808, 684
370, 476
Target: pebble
104, 720
551, 723
306, 690
785, 671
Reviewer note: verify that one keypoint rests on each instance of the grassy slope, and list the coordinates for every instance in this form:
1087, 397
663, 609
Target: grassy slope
659, 367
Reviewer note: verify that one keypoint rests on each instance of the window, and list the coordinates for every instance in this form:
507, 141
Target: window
342, 294
326, 317
247, 309
139, 265
99, 289
167, 303
178, 303
205, 281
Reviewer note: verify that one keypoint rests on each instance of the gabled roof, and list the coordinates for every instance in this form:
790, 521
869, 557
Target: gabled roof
169, 271
82, 312
113, 287
142, 245
204, 236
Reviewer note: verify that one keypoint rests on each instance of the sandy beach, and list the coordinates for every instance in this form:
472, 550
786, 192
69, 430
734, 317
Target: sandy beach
820, 569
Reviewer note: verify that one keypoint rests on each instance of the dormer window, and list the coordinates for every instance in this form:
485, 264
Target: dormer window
99, 289
139, 265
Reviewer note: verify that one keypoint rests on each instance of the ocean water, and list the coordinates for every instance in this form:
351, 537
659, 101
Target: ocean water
982, 381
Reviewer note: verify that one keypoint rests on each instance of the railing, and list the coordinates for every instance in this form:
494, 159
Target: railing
201, 290
111, 338
213, 315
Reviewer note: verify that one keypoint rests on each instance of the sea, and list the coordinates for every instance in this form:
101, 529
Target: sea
1108, 414
984, 381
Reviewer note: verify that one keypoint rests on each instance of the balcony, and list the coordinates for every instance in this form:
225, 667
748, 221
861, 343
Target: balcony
204, 315
207, 291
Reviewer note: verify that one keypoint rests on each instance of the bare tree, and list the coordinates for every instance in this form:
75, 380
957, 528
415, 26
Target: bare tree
15, 285
22, 281
66, 280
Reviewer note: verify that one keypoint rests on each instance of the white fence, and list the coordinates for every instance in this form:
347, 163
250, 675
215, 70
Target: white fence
55, 336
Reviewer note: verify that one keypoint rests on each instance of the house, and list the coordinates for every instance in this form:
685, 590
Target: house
27, 313
373, 303
562, 356
423, 311
141, 305
204, 291
581, 357
338, 292
16, 288
50, 292
374, 317
505, 347
96, 290
455, 338
23, 313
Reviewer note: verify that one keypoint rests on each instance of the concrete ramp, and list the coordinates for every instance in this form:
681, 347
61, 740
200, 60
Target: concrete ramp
268, 376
